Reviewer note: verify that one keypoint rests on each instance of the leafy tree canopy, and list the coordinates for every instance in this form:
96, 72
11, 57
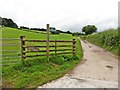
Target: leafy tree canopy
89, 29
9, 23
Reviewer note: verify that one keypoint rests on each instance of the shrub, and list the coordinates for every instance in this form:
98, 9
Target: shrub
57, 60
62, 59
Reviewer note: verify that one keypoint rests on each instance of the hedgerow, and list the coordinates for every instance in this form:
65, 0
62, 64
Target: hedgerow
108, 39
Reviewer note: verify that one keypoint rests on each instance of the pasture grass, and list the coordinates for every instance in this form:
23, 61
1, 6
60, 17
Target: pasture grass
16, 33
37, 71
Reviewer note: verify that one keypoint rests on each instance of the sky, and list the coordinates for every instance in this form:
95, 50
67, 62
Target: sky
66, 15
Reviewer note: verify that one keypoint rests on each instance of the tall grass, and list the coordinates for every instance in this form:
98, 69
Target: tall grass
108, 39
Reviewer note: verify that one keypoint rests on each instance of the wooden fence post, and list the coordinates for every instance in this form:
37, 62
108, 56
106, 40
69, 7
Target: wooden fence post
22, 39
74, 46
47, 42
55, 47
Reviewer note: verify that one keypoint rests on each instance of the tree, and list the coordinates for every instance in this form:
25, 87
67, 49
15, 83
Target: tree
89, 29
9, 23
23, 27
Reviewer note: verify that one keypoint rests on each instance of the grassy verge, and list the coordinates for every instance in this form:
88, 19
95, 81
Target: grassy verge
38, 71
108, 40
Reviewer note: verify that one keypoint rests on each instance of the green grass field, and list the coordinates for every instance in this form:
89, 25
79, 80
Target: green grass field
16, 33
36, 71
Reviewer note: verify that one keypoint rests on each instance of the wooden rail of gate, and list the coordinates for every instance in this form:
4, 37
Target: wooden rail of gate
7, 54
24, 47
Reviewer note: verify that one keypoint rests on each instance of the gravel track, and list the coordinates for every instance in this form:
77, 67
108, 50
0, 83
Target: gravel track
98, 69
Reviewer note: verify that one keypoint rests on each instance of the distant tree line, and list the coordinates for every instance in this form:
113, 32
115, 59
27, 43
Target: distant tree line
42, 29
67, 32
0, 21
36, 29
8, 23
77, 34
23, 27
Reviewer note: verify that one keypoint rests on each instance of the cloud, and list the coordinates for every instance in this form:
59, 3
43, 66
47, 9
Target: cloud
63, 14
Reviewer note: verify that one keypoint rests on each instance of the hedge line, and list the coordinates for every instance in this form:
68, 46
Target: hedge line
109, 39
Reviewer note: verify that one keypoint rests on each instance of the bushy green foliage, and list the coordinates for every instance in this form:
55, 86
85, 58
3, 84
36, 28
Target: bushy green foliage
83, 37
9, 23
89, 29
76, 34
62, 59
57, 60
108, 39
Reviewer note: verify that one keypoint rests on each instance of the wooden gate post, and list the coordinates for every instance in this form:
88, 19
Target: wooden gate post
47, 42
74, 46
22, 39
55, 47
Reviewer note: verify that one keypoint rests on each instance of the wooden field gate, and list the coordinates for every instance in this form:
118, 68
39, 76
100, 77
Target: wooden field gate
57, 47
10, 51
13, 50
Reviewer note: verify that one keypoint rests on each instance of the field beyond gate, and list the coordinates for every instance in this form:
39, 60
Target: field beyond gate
11, 45
38, 70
